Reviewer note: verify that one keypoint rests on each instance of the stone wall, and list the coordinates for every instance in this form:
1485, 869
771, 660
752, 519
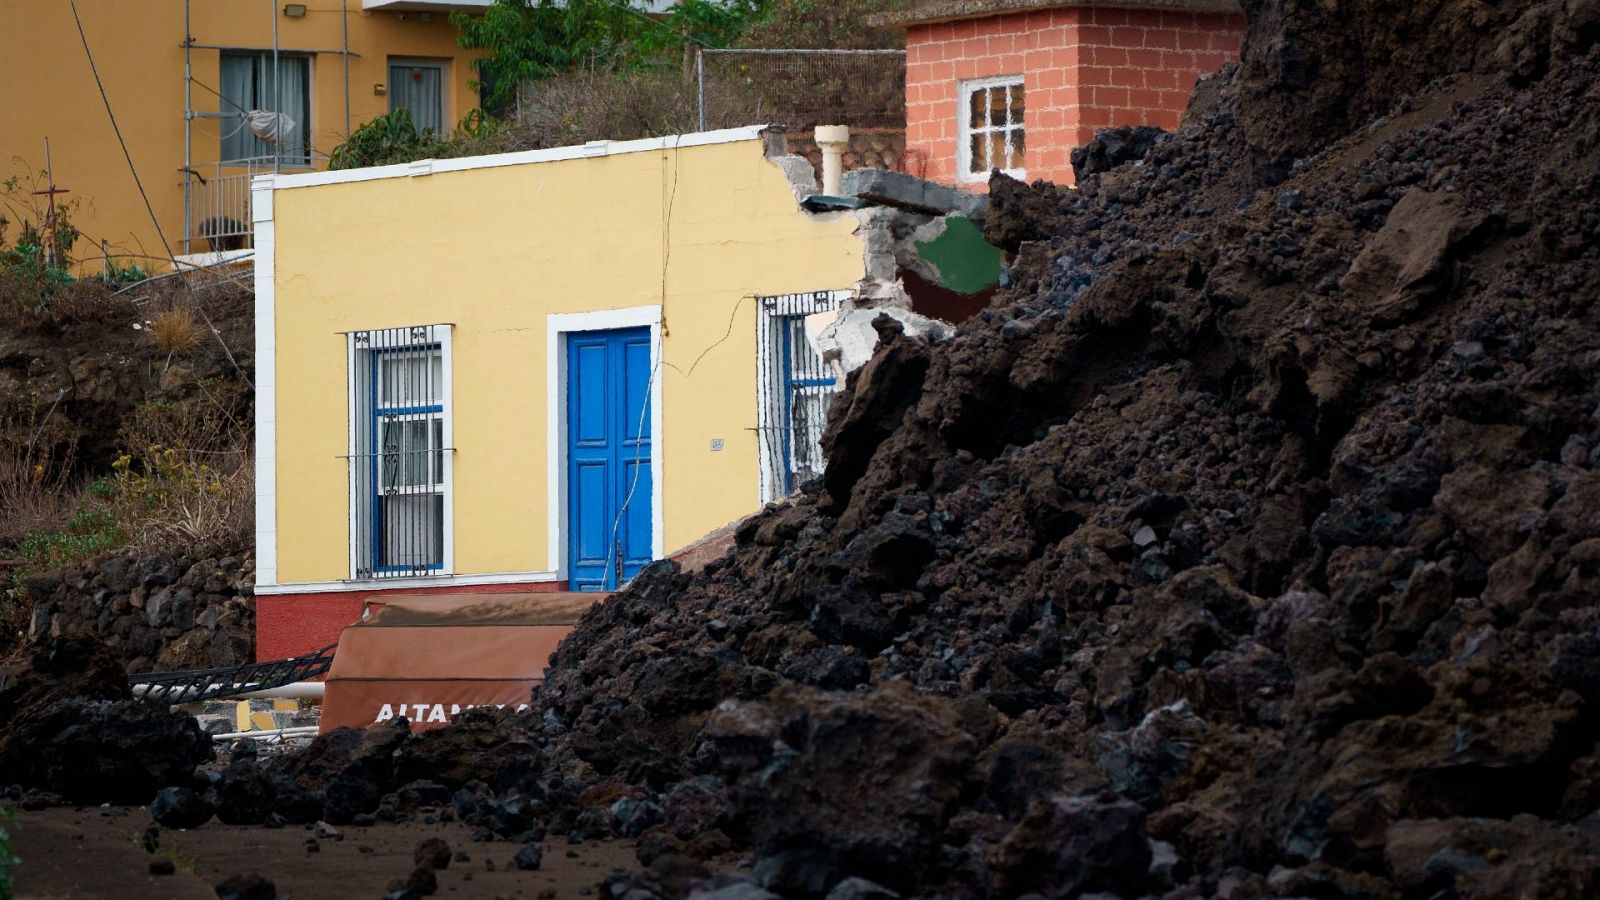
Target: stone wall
870, 148
156, 614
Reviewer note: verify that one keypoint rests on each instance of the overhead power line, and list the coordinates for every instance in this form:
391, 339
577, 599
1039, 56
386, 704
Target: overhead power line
194, 299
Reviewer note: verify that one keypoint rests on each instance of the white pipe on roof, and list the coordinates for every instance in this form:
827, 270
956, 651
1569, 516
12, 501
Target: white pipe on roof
832, 140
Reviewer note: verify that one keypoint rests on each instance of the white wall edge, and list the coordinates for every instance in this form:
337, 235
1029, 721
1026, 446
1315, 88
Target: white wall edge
424, 167
402, 585
557, 325
266, 384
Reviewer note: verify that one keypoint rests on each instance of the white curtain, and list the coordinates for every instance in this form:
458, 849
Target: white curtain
418, 88
249, 85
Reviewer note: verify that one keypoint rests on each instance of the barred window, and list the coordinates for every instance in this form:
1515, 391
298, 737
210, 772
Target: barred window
796, 388
400, 454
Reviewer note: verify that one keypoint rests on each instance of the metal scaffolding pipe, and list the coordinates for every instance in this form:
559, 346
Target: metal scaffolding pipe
300, 690
298, 731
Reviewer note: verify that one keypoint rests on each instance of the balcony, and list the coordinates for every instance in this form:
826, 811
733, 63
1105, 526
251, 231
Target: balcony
216, 206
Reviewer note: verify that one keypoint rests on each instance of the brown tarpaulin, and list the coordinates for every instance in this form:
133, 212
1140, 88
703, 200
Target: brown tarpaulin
429, 657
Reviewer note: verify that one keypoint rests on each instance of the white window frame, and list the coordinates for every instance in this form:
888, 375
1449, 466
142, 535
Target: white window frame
359, 413
768, 420
964, 128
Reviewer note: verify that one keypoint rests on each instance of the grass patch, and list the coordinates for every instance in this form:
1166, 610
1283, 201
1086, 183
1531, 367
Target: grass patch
8, 857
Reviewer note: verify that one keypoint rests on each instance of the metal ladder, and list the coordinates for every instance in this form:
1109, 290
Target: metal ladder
194, 685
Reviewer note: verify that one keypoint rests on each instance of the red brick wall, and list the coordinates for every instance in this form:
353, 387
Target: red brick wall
1082, 68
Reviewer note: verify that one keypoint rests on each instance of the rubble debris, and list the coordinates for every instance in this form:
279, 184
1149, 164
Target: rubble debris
1112, 147
350, 776
180, 807
71, 729
913, 194
1240, 548
528, 857
851, 338
247, 887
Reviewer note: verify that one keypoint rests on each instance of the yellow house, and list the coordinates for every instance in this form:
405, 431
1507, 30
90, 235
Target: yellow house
182, 78
527, 371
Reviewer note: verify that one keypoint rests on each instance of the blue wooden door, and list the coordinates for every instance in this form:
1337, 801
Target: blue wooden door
609, 489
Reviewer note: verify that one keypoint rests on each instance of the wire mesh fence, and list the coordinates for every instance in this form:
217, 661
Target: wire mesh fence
801, 89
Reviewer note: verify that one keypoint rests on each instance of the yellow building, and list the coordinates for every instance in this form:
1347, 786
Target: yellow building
328, 65
527, 371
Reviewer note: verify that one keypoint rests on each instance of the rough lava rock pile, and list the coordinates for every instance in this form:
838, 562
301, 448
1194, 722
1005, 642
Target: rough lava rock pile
71, 730
1249, 546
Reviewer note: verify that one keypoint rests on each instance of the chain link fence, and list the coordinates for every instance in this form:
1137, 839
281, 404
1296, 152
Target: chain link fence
800, 89
795, 89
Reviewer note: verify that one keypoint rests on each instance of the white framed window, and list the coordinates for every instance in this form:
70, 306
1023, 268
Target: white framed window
400, 452
796, 387
992, 111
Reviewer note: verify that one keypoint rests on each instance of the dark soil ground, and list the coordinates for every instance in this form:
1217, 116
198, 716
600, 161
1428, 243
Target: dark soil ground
86, 853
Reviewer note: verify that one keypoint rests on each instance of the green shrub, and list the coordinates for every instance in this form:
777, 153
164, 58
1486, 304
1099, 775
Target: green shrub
36, 264
8, 858
530, 40
394, 138
88, 533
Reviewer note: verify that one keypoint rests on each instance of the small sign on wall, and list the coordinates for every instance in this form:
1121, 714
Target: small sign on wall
716, 444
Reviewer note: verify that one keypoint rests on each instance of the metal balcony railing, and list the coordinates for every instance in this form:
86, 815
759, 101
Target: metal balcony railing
216, 202
216, 205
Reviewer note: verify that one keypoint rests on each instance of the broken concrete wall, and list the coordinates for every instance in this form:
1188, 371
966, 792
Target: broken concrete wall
925, 260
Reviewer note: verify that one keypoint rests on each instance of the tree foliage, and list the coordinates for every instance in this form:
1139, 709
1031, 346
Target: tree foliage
395, 138
529, 40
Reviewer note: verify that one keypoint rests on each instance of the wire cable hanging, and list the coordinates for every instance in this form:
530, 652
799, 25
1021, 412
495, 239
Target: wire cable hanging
154, 220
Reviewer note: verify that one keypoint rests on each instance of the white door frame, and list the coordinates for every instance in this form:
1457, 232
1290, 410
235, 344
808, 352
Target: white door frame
557, 327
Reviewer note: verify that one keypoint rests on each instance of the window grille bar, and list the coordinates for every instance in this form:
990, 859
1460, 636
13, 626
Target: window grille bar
797, 386
397, 458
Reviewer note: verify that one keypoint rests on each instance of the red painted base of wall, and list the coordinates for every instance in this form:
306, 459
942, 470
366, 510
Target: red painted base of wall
296, 624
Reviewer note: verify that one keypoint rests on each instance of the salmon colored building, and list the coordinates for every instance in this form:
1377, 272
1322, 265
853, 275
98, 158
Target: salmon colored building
1015, 85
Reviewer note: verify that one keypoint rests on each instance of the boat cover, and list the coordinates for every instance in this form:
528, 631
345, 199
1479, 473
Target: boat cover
430, 657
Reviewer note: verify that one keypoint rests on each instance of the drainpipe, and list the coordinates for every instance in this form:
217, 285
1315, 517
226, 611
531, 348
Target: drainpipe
832, 139
344, 47
277, 96
188, 133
